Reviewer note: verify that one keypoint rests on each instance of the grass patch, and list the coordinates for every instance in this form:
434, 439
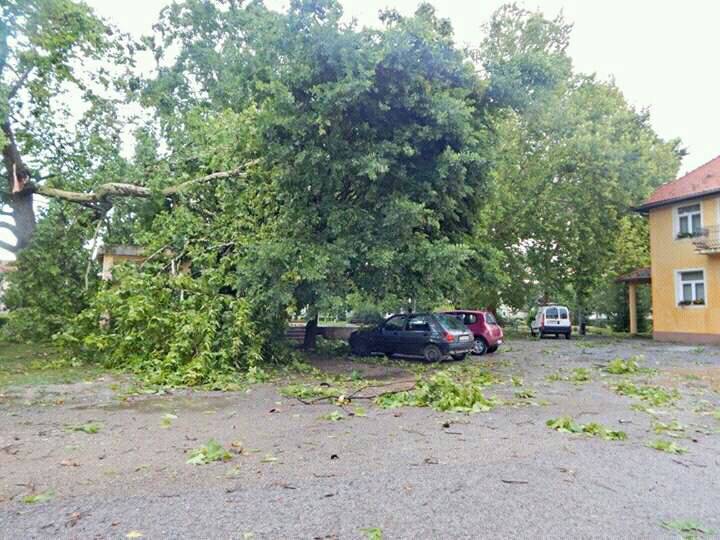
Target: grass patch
38, 364
566, 424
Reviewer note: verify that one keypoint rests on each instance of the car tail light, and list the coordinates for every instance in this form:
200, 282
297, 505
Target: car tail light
447, 336
542, 319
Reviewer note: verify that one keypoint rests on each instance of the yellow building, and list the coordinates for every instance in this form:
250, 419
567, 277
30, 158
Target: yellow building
684, 220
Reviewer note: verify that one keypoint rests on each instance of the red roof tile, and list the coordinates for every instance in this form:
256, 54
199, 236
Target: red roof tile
705, 179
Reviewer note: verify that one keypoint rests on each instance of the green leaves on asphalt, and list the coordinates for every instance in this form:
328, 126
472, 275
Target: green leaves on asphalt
669, 447
442, 393
91, 428
566, 424
209, 452
38, 497
656, 396
688, 528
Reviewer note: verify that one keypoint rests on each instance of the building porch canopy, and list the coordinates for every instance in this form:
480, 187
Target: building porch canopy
637, 276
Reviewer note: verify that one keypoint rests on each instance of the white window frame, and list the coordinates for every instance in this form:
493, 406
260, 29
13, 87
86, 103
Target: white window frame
679, 287
676, 218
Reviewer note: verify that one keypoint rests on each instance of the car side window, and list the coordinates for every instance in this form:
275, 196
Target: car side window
490, 319
419, 323
396, 323
470, 318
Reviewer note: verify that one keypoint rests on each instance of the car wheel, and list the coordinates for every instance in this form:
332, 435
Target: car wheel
480, 347
492, 349
459, 357
432, 353
532, 333
567, 336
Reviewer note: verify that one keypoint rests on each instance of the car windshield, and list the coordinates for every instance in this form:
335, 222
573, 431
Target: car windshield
450, 322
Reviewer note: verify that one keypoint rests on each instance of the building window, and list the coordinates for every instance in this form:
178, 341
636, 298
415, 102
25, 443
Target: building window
689, 221
691, 288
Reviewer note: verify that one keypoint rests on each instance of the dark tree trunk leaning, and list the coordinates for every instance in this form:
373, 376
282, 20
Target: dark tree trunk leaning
19, 199
311, 329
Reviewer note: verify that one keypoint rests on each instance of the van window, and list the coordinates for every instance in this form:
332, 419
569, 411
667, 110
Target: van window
551, 313
563, 313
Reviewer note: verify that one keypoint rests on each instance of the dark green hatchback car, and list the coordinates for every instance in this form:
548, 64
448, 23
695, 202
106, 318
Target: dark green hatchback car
432, 336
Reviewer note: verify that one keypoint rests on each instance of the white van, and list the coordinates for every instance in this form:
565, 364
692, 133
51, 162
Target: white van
552, 320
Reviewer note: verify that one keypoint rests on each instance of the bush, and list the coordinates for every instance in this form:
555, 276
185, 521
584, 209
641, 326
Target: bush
48, 288
170, 330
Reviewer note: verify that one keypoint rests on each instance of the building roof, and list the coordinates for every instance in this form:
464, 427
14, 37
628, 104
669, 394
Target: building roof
639, 275
705, 180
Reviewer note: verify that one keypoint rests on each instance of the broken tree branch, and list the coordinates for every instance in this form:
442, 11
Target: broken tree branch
105, 192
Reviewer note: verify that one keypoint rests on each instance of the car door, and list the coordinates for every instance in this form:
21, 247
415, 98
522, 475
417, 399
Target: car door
416, 335
390, 338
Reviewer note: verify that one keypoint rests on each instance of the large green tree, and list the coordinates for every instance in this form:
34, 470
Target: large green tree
573, 157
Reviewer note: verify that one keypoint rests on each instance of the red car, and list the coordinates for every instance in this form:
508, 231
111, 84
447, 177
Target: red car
487, 332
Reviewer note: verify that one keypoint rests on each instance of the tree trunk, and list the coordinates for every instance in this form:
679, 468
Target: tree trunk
19, 199
311, 328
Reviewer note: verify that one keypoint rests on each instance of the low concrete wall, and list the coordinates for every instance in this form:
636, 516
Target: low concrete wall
337, 332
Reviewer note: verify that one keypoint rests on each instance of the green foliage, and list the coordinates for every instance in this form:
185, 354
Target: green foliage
673, 429
91, 428
565, 424
209, 452
656, 396
39, 497
334, 416
303, 391
170, 330
669, 447
577, 376
688, 528
618, 366
332, 347
373, 533
441, 393
48, 288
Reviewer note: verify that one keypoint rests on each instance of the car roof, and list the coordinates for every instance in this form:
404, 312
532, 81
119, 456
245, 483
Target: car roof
475, 311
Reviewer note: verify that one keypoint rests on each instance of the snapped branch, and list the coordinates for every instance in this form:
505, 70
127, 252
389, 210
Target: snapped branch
105, 192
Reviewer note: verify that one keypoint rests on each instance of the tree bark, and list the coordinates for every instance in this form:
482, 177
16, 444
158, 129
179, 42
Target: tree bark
20, 200
311, 328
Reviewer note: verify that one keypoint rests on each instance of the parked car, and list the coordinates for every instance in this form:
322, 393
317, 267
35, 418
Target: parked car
552, 320
432, 336
487, 333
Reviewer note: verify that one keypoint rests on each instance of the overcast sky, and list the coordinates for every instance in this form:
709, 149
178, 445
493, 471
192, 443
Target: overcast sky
662, 53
